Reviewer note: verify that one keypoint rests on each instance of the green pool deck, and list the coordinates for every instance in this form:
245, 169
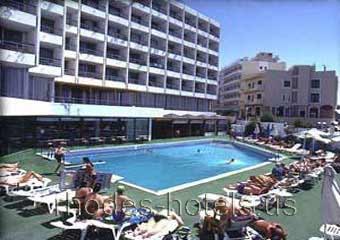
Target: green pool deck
19, 220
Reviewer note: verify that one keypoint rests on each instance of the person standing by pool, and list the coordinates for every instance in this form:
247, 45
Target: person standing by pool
59, 155
120, 199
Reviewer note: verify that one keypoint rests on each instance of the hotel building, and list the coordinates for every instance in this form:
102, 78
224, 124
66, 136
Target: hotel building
95, 69
298, 93
230, 78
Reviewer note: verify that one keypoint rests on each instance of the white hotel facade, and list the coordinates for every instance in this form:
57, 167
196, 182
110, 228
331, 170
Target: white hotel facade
83, 69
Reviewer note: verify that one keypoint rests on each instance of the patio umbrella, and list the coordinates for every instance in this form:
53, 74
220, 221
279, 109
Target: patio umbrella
330, 197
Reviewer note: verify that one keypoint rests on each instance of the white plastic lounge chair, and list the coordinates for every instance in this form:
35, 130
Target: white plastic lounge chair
331, 231
293, 149
52, 200
78, 225
29, 185
4, 173
34, 192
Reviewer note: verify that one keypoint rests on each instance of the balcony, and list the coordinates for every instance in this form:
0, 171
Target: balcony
199, 90
69, 71
157, 65
190, 22
140, 21
52, 30
173, 68
212, 77
71, 47
138, 40
186, 71
91, 27
171, 85
115, 34
17, 46
174, 51
158, 28
91, 51
71, 22
202, 75
201, 59
159, 8
176, 15
90, 74
136, 81
50, 61
94, 4
138, 61
187, 88
156, 83
115, 56
115, 78
24, 7
175, 33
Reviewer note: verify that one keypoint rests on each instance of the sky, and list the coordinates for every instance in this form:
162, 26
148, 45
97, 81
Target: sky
298, 31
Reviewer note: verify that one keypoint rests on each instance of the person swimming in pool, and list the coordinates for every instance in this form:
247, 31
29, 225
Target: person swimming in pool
231, 161
198, 150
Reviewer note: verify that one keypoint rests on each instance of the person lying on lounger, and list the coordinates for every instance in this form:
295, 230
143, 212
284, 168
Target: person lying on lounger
262, 181
9, 167
157, 225
249, 188
270, 230
17, 179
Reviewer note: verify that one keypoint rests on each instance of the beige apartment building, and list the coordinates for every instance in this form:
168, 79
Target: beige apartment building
298, 93
231, 76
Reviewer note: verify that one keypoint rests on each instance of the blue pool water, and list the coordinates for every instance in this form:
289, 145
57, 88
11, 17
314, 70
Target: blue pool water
161, 167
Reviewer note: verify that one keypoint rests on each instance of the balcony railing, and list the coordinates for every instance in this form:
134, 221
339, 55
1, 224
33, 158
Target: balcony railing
52, 30
94, 4
174, 51
91, 28
90, 51
189, 39
116, 34
199, 90
156, 46
187, 88
212, 92
187, 55
69, 71
212, 77
71, 22
175, 33
172, 68
176, 15
158, 28
172, 86
139, 41
213, 63
140, 21
159, 8
70, 46
30, 8
116, 12
155, 83
115, 78
137, 61
17, 46
157, 65
50, 61
90, 74
202, 75
136, 81
201, 59
188, 72
190, 22
115, 56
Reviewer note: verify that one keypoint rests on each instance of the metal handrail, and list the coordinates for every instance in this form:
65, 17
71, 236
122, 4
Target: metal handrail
115, 56
116, 34
49, 29
114, 78
30, 8
138, 61
90, 74
94, 5
91, 28
50, 61
17, 46
90, 51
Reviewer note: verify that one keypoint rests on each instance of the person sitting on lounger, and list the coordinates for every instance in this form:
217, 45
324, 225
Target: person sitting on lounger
278, 172
157, 225
17, 179
120, 201
270, 230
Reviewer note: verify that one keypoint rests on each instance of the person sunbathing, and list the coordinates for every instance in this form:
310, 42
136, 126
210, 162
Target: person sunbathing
249, 189
157, 225
262, 180
17, 179
270, 230
9, 167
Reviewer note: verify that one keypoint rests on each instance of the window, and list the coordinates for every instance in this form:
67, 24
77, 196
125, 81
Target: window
283, 97
295, 81
259, 82
294, 97
286, 83
315, 83
260, 67
248, 97
259, 96
315, 97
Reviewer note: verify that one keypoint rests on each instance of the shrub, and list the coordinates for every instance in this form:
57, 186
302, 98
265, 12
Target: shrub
267, 117
250, 128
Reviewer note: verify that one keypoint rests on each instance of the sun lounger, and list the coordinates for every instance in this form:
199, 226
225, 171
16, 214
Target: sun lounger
51, 200
79, 225
4, 173
34, 192
293, 149
331, 231
29, 185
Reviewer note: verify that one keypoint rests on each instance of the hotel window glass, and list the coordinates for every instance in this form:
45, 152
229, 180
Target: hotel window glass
315, 83
295, 83
315, 98
286, 83
259, 96
294, 97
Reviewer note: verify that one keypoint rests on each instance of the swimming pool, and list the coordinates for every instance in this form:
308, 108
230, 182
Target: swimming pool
158, 167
